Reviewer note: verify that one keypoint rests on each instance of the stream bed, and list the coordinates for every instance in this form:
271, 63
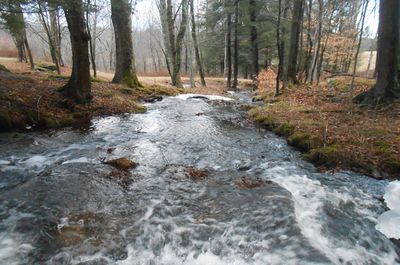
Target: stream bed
59, 205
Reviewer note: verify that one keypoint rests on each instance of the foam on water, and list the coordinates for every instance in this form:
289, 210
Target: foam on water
310, 197
210, 97
389, 222
12, 251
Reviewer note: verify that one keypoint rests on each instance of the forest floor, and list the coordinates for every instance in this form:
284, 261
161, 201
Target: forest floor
333, 133
29, 99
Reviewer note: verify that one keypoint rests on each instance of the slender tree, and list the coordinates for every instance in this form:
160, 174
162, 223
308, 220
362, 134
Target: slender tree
173, 43
196, 46
125, 71
387, 86
236, 48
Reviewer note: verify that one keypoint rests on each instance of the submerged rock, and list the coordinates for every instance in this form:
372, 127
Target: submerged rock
122, 163
249, 182
152, 99
197, 174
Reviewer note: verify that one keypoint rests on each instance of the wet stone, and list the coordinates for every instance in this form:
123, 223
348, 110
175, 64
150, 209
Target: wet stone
250, 182
123, 163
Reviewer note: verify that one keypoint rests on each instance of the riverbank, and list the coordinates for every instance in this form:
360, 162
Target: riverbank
31, 100
333, 134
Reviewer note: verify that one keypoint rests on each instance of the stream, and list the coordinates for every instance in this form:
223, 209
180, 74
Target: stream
59, 205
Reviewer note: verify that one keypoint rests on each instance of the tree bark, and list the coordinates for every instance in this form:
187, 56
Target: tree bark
236, 48
125, 70
79, 86
50, 37
254, 42
387, 86
294, 41
312, 73
228, 47
196, 46
278, 42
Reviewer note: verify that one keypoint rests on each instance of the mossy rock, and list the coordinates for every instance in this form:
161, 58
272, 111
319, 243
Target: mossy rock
138, 109
4, 69
285, 129
260, 117
304, 142
392, 166
5, 121
326, 156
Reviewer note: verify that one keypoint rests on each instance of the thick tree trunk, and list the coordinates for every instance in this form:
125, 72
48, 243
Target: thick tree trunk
294, 41
78, 86
196, 46
254, 42
125, 71
387, 86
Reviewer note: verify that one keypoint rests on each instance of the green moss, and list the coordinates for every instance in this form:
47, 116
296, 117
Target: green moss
374, 133
325, 156
392, 165
66, 121
138, 109
58, 77
383, 148
47, 122
4, 69
131, 80
304, 142
5, 121
126, 90
160, 90
339, 85
97, 80
285, 129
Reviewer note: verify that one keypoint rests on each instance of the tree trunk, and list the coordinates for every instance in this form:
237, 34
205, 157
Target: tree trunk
228, 66
78, 86
363, 15
278, 42
236, 48
50, 37
28, 50
294, 41
125, 71
312, 74
196, 46
254, 42
92, 37
387, 86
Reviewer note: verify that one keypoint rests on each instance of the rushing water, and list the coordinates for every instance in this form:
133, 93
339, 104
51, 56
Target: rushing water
59, 207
